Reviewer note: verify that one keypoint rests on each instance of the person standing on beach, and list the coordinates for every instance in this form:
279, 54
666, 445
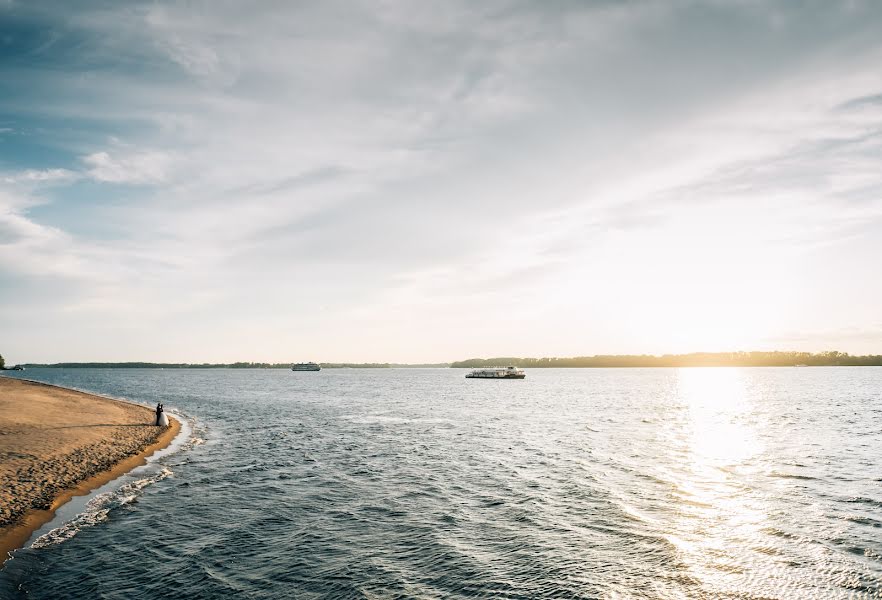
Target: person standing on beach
158, 412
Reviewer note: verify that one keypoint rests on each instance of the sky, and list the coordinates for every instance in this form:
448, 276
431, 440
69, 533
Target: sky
426, 182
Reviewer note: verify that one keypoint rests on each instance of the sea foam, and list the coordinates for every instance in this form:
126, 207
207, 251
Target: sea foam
99, 508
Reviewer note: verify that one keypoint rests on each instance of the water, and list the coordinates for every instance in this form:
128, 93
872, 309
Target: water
631, 483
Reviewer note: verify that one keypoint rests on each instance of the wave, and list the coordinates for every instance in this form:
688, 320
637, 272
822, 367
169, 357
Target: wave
864, 500
98, 509
192, 443
791, 476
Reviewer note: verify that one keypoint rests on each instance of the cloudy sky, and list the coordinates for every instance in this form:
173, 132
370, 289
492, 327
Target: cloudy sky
385, 181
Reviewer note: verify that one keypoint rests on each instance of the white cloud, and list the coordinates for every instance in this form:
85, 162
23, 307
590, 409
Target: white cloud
41, 176
18, 233
411, 165
141, 168
32, 248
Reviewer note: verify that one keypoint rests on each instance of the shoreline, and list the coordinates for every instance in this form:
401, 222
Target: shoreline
15, 535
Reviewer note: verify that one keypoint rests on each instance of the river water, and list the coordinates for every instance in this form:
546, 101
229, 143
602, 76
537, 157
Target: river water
573, 483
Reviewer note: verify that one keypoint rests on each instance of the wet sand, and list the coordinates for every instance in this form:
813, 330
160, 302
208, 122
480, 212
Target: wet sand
57, 443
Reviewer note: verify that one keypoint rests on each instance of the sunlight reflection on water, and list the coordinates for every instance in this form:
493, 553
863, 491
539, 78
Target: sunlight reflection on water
717, 512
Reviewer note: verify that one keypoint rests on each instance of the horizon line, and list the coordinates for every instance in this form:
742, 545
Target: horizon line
828, 354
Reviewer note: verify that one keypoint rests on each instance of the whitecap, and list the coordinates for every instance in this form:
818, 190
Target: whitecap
98, 509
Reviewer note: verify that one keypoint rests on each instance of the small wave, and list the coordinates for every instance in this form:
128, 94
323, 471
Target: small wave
685, 500
192, 443
377, 420
861, 520
98, 509
864, 500
791, 476
775, 531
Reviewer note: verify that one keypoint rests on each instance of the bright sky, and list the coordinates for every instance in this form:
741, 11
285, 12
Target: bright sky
385, 181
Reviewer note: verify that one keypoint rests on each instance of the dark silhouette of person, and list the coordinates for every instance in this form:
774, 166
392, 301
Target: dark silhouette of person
158, 412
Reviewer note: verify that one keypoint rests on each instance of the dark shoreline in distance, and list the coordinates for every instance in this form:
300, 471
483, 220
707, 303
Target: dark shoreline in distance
237, 365
831, 358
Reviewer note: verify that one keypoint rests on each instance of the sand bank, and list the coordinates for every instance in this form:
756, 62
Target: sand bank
57, 443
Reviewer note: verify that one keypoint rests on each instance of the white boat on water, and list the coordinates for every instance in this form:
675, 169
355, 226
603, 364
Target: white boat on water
497, 373
310, 366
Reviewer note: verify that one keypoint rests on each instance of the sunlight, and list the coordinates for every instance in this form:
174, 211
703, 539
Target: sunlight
715, 507
715, 400
728, 296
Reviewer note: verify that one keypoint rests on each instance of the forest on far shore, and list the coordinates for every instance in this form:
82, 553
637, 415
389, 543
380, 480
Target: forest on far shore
830, 358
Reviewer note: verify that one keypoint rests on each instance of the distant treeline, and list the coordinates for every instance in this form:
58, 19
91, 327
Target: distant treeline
236, 365
697, 359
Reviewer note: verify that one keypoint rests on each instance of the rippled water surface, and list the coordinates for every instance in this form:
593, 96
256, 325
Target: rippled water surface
629, 483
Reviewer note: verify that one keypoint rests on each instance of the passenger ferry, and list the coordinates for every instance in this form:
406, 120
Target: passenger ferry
497, 373
310, 366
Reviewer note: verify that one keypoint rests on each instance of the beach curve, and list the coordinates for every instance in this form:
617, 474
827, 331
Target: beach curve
57, 443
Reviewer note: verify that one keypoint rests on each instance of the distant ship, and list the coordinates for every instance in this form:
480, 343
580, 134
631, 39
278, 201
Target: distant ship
310, 366
497, 373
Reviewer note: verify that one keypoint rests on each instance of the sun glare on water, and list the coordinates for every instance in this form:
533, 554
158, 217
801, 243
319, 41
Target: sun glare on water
716, 510
715, 399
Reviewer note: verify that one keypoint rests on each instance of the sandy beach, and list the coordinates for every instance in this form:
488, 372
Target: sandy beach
57, 443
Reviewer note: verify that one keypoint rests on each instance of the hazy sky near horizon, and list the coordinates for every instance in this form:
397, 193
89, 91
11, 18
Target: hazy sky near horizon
389, 181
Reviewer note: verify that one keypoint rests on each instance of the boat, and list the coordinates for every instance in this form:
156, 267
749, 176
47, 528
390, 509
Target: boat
497, 373
309, 366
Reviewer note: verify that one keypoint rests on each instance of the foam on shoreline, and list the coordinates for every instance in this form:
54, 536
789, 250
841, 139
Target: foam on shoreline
15, 536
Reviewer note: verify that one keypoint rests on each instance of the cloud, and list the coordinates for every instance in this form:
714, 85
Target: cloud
863, 338
141, 168
41, 176
29, 247
14, 228
868, 101
439, 159
317, 176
